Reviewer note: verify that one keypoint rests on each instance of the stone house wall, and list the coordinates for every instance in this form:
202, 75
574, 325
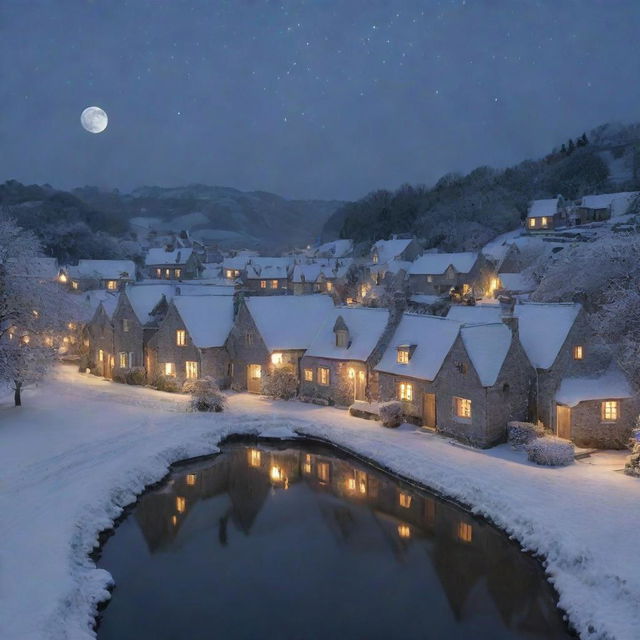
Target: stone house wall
340, 390
131, 341
188, 270
442, 283
588, 430
252, 286
99, 332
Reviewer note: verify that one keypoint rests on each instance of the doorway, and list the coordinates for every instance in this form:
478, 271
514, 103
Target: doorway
360, 386
429, 410
564, 422
254, 378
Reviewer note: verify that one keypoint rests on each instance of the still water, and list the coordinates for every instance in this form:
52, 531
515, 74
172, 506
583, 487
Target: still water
298, 542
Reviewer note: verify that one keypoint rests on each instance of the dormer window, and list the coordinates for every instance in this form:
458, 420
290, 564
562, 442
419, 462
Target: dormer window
342, 338
404, 354
374, 257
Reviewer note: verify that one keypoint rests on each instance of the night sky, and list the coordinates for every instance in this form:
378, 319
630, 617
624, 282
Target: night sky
309, 99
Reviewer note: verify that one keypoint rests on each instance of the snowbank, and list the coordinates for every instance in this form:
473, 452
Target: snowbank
81, 449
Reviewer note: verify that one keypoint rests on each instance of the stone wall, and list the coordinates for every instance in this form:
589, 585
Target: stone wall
99, 332
340, 390
588, 430
131, 341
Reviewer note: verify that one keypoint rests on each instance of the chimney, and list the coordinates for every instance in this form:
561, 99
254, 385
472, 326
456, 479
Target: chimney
507, 305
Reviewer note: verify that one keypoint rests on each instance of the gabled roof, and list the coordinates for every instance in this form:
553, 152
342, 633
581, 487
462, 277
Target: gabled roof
487, 346
321, 268
144, 297
160, 256
365, 327
543, 329
438, 263
389, 249
479, 313
619, 202
548, 207
433, 336
103, 269
289, 322
264, 268
335, 249
612, 385
516, 282
86, 304
208, 319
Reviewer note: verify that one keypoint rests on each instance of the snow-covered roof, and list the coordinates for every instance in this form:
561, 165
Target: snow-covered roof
539, 208
389, 249
516, 282
423, 298
289, 322
335, 249
611, 385
160, 256
211, 270
481, 313
487, 346
619, 202
268, 267
208, 319
144, 297
237, 262
433, 336
200, 288
85, 305
438, 263
365, 327
543, 329
392, 266
42, 267
306, 272
103, 269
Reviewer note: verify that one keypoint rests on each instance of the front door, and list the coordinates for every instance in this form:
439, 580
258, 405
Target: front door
429, 410
564, 422
360, 384
254, 378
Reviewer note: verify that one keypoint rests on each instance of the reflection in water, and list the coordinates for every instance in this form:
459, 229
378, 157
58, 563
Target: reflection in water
300, 542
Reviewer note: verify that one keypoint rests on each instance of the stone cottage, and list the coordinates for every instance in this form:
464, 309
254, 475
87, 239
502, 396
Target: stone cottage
98, 333
267, 275
112, 275
403, 249
544, 215
440, 273
170, 263
190, 340
272, 331
337, 367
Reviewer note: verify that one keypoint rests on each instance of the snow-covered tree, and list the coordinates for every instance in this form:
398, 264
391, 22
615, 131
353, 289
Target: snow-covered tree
32, 315
281, 383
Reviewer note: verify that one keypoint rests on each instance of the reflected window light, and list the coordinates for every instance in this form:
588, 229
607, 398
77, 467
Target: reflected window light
307, 464
191, 479
405, 500
323, 471
181, 504
255, 458
465, 532
174, 520
404, 530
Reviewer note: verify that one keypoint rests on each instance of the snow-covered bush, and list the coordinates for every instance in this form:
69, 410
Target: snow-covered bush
551, 451
119, 375
522, 433
632, 468
205, 395
135, 375
391, 414
281, 383
163, 383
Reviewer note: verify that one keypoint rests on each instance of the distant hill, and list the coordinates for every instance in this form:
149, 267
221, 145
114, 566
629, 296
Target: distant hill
464, 212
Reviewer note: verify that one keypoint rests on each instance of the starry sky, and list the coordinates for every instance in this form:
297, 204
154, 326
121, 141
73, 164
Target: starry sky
305, 98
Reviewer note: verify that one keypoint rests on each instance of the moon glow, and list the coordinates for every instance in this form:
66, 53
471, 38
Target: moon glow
94, 119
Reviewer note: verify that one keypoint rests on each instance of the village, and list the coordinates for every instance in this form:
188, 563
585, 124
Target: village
450, 338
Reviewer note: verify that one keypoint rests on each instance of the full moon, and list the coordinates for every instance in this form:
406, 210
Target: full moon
94, 119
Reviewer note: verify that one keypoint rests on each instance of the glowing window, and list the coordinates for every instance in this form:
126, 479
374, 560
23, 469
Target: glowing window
181, 337
274, 284
159, 273
169, 369
429, 278
351, 484
404, 530
178, 273
308, 375
363, 290
404, 500
181, 504
263, 284
62, 278
275, 473
405, 391
403, 356
375, 258
229, 273
255, 457
494, 284
465, 532
112, 285
100, 355
74, 285
341, 338
191, 479
167, 273
543, 221
462, 407
191, 369
329, 286
307, 463
122, 360
276, 358
610, 410
323, 376
351, 372
578, 352
324, 471
174, 520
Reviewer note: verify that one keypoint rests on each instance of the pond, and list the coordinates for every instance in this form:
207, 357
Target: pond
299, 541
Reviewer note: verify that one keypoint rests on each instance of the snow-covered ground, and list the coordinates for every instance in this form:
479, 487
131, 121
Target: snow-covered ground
80, 449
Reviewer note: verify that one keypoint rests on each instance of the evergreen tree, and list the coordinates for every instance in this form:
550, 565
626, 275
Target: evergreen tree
571, 147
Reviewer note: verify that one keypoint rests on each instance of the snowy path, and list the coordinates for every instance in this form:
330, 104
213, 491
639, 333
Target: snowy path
82, 448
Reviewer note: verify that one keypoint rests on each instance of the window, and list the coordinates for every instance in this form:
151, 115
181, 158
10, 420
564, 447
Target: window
100, 355
404, 500
404, 530
112, 285
324, 472
405, 391
609, 411
307, 463
578, 352
122, 360
229, 273
263, 284
308, 375
532, 223
494, 284
181, 504
181, 337
255, 457
461, 367
74, 285
169, 369
167, 273
159, 273
375, 258
274, 284
403, 355
191, 369
125, 325
323, 376
465, 532
329, 286
462, 407
191, 479
429, 278
276, 358
178, 273
341, 338
248, 338
363, 290
543, 221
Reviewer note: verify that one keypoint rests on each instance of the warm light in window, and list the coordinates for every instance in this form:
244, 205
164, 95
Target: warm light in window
71, 325
274, 284
181, 337
465, 532
403, 356
375, 258
74, 285
35, 313
404, 500
329, 286
49, 341
122, 360
255, 458
65, 339
191, 479
543, 221
181, 504
323, 471
169, 369
308, 375
112, 285
191, 369
323, 375
276, 358
351, 484
578, 352
26, 339
159, 273
494, 284
363, 290
275, 473
178, 273
405, 391
100, 355
462, 407
404, 531
610, 410
62, 278
307, 464
351, 373
263, 284
174, 520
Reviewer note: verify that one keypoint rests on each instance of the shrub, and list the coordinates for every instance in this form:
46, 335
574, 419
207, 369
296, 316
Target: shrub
551, 451
135, 375
281, 383
96, 371
632, 468
520, 434
391, 414
119, 375
162, 383
205, 395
